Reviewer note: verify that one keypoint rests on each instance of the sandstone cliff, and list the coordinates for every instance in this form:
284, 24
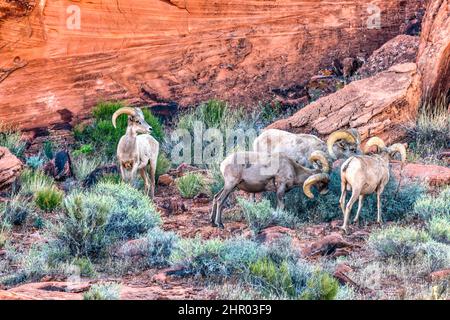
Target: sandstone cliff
386, 102
58, 58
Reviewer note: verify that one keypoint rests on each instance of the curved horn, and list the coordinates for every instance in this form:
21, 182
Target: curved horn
375, 141
339, 135
400, 148
322, 158
355, 133
312, 180
125, 110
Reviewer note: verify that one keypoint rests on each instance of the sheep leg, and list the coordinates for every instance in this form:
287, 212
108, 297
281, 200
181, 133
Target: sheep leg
220, 202
145, 178
343, 196
360, 203
379, 206
281, 190
348, 208
214, 207
152, 172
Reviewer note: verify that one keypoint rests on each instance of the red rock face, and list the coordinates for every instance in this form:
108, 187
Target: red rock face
58, 58
10, 168
434, 51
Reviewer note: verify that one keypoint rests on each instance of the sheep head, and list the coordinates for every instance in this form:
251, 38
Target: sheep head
136, 119
347, 141
381, 147
321, 180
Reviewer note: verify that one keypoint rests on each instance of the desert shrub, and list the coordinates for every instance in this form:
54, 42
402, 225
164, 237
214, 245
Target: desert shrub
210, 113
103, 136
160, 245
217, 179
162, 165
94, 221
190, 185
83, 149
132, 212
280, 250
85, 266
35, 162
397, 242
33, 181
397, 202
48, 149
82, 226
427, 206
259, 215
439, 228
272, 277
433, 121
11, 139
432, 256
321, 286
83, 165
105, 291
48, 199
16, 211
215, 258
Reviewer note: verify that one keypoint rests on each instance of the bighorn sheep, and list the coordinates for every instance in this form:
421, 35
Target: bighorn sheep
340, 144
255, 172
366, 174
137, 149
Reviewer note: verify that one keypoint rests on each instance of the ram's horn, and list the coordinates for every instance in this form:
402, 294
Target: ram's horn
322, 158
125, 110
375, 141
400, 148
339, 135
355, 133
321, 177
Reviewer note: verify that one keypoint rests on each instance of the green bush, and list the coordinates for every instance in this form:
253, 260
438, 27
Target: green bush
215, 258
11, 139
132, 212
83, 165
397, 203
259, 215
84, 149
16, 211
160, 245
398, 242
433, 256
190, 185
94, 221
439, 228
102, 134
433, 121
48, 199
106, 291
85, 266
33, 181
48, 149
321, 286
162, 165
82, 227
272, 277
217, 178
427, 206
35, 162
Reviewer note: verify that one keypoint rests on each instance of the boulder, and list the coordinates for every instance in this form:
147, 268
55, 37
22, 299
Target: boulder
401, 49
10, 168
332, 244
432, 175
165, 180
379, 105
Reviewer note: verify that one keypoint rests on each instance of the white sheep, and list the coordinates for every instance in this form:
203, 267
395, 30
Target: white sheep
137, 149
340, 144
366, 174
255, 172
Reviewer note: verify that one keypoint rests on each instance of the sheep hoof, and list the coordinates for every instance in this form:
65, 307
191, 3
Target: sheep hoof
344, 229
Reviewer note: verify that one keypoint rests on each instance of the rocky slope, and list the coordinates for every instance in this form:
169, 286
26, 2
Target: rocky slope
58, 58
384, 103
